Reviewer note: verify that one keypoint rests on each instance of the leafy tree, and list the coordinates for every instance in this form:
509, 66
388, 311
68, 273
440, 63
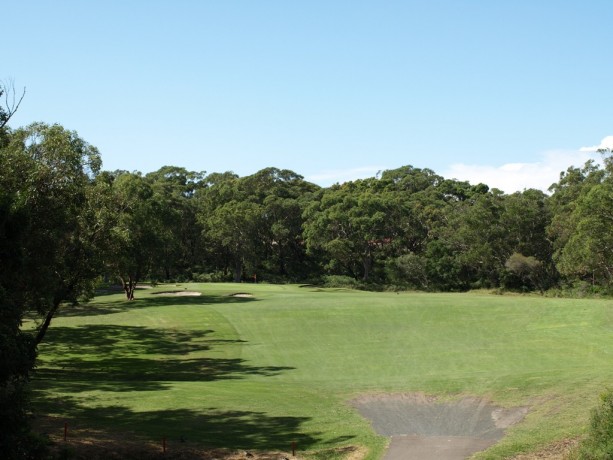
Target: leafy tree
137, 233
50, 242
254, 223
588, 253
180, 233
578, 226
355, 224
283, 196
235, 226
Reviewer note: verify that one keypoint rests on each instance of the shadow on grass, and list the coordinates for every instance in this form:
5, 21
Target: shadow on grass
118, 306
134, 358
211, 427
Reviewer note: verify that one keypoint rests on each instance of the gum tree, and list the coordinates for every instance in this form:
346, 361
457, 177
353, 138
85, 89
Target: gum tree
50, 242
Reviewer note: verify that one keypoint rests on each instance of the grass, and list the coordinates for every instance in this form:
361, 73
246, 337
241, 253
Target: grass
261, 372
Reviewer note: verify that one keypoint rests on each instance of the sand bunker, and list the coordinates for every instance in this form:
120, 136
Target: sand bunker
422, 427
178, 293
241, 294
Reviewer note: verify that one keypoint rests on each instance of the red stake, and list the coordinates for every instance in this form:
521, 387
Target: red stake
164, 445
65, 430
293, 448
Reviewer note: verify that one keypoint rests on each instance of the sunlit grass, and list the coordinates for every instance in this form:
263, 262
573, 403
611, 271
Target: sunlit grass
259, 372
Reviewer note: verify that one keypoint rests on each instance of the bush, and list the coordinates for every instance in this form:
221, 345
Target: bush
213, 277
340, 281
599, 443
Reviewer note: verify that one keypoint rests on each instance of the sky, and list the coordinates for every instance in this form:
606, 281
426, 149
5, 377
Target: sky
509, 93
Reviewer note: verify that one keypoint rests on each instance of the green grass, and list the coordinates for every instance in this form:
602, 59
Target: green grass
261, 372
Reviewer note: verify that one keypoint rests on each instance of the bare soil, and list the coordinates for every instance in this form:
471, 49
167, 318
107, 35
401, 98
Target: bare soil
556, 451
86, 444
423, 428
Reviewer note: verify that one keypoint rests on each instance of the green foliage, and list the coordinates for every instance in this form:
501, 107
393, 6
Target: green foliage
524, 273
599, 443
50, 242
341, 281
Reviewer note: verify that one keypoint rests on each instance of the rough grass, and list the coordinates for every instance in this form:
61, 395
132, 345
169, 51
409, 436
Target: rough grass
259, 372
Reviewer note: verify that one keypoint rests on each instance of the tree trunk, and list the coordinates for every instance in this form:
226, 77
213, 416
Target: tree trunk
43, 328
60, 295
367, 264
129, 286
238, 271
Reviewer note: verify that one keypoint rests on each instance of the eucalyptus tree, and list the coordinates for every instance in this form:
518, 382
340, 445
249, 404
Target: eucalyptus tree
354, 224
434, 260
526, 218
253, 224
568, 210
283, 196
9, 102
138, 231
180, 234
51, 240
585, 239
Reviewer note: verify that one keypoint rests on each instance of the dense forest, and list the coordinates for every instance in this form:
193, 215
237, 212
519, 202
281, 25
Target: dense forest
407, 228
67, 226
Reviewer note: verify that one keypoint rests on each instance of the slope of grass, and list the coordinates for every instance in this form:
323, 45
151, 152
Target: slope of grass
261, 372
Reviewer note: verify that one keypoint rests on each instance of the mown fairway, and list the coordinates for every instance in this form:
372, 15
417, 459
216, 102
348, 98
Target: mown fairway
260, 372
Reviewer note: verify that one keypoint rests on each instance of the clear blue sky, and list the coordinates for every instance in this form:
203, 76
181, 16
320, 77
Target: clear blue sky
504, 92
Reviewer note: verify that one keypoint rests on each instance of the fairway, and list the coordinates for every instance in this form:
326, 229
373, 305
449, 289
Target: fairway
284, 364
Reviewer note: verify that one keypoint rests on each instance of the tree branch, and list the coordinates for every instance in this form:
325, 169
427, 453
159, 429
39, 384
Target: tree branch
10, 104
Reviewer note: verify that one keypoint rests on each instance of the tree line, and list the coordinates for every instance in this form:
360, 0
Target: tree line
67, 225
409, 228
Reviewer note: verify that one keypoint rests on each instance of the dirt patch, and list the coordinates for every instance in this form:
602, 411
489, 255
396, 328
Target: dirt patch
423, 427
87, 444
178, 293
556, 451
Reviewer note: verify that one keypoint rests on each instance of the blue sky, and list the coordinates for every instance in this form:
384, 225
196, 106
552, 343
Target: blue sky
508, 93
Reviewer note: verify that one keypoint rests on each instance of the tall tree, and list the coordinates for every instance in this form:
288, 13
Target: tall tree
50, 243
180, 234
138, 231
569, 205
588, 253
354, 223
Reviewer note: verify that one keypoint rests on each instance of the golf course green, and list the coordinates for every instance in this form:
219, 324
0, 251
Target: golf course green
257, 366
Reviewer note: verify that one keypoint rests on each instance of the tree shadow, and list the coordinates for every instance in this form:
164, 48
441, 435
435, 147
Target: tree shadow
136, 358
83, 360
151, 300
210, 427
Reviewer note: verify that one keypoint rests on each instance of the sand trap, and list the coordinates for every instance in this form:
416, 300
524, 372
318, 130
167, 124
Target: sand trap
241, 294
178, 293
421, 427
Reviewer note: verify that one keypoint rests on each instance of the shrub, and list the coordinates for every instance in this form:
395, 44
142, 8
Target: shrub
599, 443
340, 281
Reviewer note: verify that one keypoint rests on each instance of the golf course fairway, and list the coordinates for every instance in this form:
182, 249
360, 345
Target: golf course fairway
259, 367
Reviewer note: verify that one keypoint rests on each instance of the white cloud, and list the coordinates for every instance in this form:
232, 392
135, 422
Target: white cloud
328, 177
513, 177
606, 143
508, 177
